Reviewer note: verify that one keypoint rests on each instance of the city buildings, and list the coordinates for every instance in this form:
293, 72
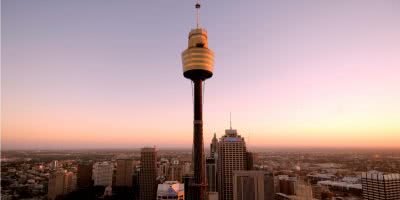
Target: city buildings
124, 172
56, 185
211, 174
170, 190
231, 157
175, 172
70, 180
380, 186
148, 174
214, 146
84, 175
103, 173
253, 185
61, 183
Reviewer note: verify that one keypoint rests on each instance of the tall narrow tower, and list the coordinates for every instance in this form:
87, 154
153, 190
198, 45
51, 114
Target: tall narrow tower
198, 61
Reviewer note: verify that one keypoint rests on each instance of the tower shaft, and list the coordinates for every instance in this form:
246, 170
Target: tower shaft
199, 185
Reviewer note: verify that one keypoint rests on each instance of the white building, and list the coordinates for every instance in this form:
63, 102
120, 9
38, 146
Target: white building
380, 186
171, 190
102, 173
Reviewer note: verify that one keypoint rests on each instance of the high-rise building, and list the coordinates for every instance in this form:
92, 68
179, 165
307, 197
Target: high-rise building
175, 172
211, 174
124, 172
69, 182
60, 183
84, 175
198, 65
148, 174
170, 190
253, 185
56, 185
214, 146
249, 161
231, 157
380, 186
103, 173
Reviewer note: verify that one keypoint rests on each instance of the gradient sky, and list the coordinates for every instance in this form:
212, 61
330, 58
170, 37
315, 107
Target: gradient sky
107, 74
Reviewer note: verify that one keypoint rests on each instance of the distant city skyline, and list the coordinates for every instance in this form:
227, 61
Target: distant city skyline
101, 74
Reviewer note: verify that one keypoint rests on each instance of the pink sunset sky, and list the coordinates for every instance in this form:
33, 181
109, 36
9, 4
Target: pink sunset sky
108, 74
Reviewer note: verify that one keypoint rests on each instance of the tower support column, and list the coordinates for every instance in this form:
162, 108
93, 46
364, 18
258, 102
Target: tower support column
199, 185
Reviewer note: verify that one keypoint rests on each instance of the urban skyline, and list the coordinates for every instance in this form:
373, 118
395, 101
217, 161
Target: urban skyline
97, 74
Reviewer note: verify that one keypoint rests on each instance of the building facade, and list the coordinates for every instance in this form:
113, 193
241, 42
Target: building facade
56, 185
380, 186
84, 175
103, 173
253, 185
211, 174
214, 146
148, 174
170, 190
124, 173
231, 157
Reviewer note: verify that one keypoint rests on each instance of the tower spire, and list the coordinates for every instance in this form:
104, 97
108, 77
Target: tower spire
197, 6
230, 120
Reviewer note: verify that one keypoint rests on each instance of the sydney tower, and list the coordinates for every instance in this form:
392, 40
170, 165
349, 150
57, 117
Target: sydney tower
198, 61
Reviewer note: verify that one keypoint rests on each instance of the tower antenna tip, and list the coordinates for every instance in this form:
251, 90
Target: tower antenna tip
197, 6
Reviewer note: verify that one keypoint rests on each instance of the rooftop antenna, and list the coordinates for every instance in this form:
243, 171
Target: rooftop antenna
230, 120
197, 6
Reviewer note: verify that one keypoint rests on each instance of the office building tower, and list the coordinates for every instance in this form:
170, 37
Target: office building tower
211, 174
124, 172
69, 182
102, 173
231, 157
187, 181
253, 185
84, 175
380, 186
198, 65
303, 191
170, 190
148, 174
214, 146
56, 185
286, 185
249, 161
175, 172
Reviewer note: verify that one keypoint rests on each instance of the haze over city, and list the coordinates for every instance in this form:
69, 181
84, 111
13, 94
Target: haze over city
102, 74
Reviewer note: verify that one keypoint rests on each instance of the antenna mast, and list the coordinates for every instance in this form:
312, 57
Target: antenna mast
230, 120
197, 13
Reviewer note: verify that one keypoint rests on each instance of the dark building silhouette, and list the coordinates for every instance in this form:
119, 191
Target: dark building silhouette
148, 174
253, 185
214, 146
211, 174
84, 175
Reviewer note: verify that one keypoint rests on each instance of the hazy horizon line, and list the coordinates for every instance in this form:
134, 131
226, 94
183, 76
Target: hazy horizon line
259, 148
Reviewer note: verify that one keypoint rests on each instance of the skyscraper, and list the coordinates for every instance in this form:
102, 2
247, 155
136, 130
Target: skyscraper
124, 172
213, 146
61, 183
380, 186
103, 173
148, 174
69, 182
84, 175
56, 185
211, 173
231, 157
253, 185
